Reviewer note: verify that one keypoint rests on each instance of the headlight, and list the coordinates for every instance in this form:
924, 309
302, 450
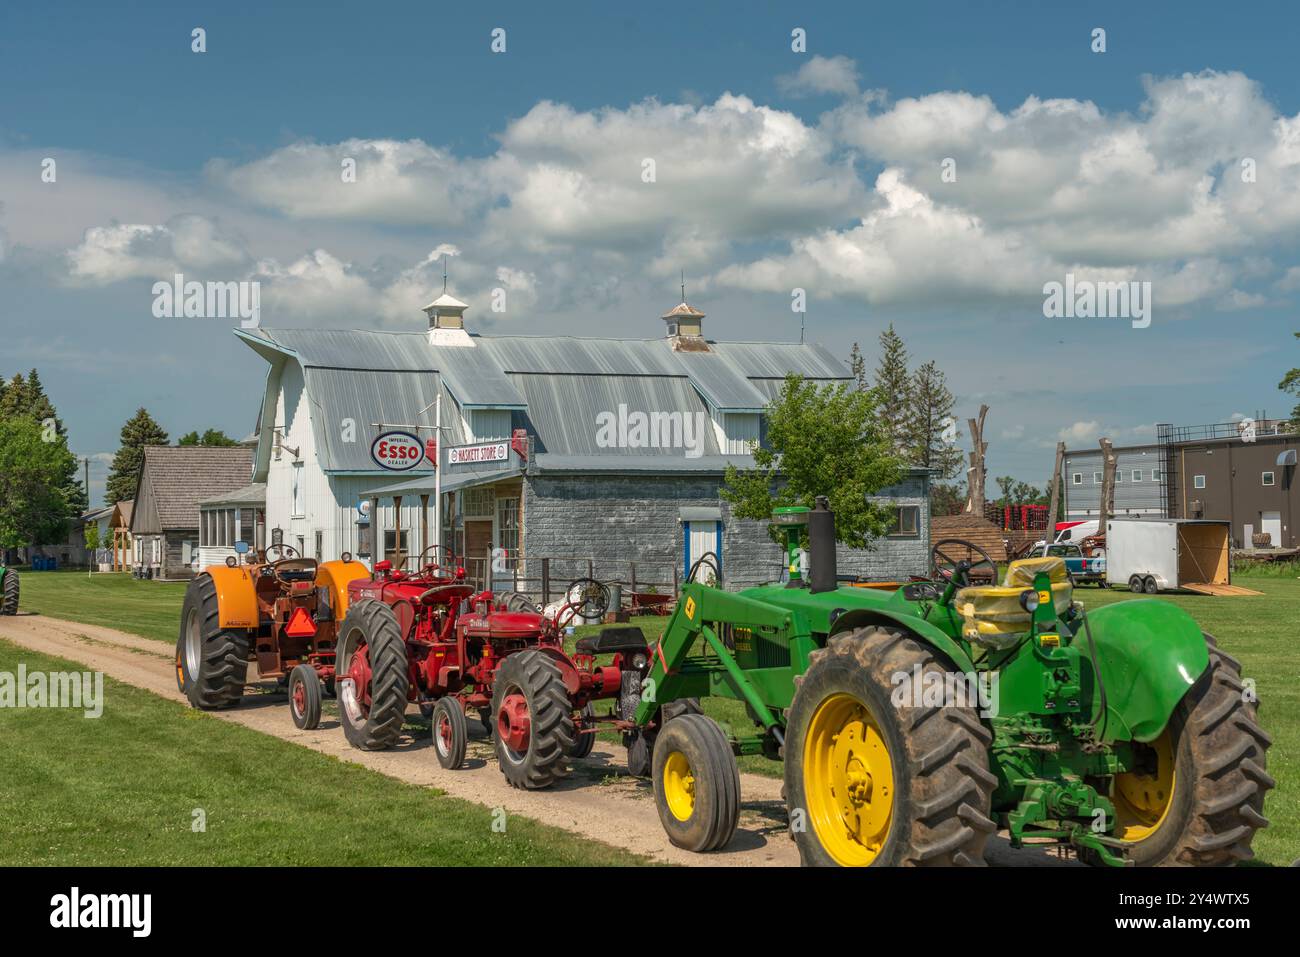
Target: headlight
232, 561
1029, 600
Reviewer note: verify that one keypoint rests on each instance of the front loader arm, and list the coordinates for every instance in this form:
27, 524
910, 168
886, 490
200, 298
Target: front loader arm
697, 605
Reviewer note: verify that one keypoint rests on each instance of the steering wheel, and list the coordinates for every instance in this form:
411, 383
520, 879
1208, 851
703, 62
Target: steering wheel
591, 601
962, 562
282, 552
445, 562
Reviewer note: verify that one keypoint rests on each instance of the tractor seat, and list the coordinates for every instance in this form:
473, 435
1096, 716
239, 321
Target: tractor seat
610, 640
992, 613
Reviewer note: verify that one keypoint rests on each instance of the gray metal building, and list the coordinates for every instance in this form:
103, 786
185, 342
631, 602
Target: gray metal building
1139, 479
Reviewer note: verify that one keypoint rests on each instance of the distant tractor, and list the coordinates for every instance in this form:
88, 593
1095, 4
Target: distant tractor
278, 611
8, 590
913, 724
429, 637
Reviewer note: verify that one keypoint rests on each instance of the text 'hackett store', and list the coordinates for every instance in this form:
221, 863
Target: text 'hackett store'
562, 456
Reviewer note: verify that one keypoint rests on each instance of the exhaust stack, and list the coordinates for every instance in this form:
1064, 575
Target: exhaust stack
823, 575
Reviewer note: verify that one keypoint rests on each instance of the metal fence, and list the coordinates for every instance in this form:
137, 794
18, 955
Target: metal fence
544, 577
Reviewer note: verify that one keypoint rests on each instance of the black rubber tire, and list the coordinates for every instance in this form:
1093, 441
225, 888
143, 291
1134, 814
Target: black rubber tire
450, 754
535, 675
716, 808
1135, 584
9, 595
641, 745
485, 718
373, 623
939, 754
1149, 585
309, 718
585, 741
222, 669
1219, 745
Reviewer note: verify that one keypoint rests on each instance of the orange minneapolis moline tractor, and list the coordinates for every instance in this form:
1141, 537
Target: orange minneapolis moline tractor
278, 610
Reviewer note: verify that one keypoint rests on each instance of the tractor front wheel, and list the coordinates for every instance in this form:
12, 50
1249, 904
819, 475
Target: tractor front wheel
871, 782
450, 732
1197, 796
9, 596
534, 720
372, 682
304, 697
585, 740
211, 662
696, 783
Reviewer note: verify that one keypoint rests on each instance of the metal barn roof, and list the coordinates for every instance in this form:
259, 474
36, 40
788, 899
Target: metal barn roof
554, 386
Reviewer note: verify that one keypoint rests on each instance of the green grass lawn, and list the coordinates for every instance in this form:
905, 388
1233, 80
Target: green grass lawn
1260, 632
123, 788
112, 599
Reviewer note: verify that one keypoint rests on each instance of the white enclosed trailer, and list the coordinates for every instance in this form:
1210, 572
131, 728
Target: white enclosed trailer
1159, 554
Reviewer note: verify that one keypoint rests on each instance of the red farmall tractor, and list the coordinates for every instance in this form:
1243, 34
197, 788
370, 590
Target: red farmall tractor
429, 637
279, 610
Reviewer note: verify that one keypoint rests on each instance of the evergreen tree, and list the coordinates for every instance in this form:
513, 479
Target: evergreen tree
858, 368
931, 427
893, 386
140, 430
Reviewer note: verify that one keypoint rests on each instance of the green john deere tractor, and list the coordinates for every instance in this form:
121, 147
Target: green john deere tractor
8, 590
916, 722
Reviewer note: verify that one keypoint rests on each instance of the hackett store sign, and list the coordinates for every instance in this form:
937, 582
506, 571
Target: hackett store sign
471, 454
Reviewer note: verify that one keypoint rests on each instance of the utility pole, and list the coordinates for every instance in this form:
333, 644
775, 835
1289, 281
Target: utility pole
1054, 497
437, 472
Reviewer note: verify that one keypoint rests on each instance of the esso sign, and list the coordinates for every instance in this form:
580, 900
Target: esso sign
397, 451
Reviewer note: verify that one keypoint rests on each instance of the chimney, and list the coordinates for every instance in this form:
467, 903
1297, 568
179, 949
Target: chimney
686, 328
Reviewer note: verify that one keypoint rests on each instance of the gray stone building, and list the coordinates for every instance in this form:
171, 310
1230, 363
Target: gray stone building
561, 456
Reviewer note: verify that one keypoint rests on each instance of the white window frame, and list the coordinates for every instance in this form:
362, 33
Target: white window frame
1119, 476
1268, 479
1155, 475
1198, 481
1076, 478
1096, 478
1137, 475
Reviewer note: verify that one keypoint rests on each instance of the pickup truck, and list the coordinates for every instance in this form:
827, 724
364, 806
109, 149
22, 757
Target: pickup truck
1082, 568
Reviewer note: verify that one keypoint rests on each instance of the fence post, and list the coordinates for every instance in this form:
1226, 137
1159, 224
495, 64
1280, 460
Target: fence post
546, 582
676, 585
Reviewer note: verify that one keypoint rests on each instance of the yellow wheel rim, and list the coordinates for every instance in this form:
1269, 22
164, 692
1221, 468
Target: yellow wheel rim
679, 786
1143, 798
848, 780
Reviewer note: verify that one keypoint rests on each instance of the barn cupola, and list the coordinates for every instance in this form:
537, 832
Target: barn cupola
685, 326
446, 312
447, 321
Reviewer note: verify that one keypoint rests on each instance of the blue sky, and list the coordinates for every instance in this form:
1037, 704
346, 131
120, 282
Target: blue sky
776, 169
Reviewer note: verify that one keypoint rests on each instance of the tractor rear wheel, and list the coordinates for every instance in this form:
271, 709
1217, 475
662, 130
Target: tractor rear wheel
9, 596
869, 782
373, 680
534, 720
450, 732
211, 662
696, 783
584, 741
1199, 796
304, 697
